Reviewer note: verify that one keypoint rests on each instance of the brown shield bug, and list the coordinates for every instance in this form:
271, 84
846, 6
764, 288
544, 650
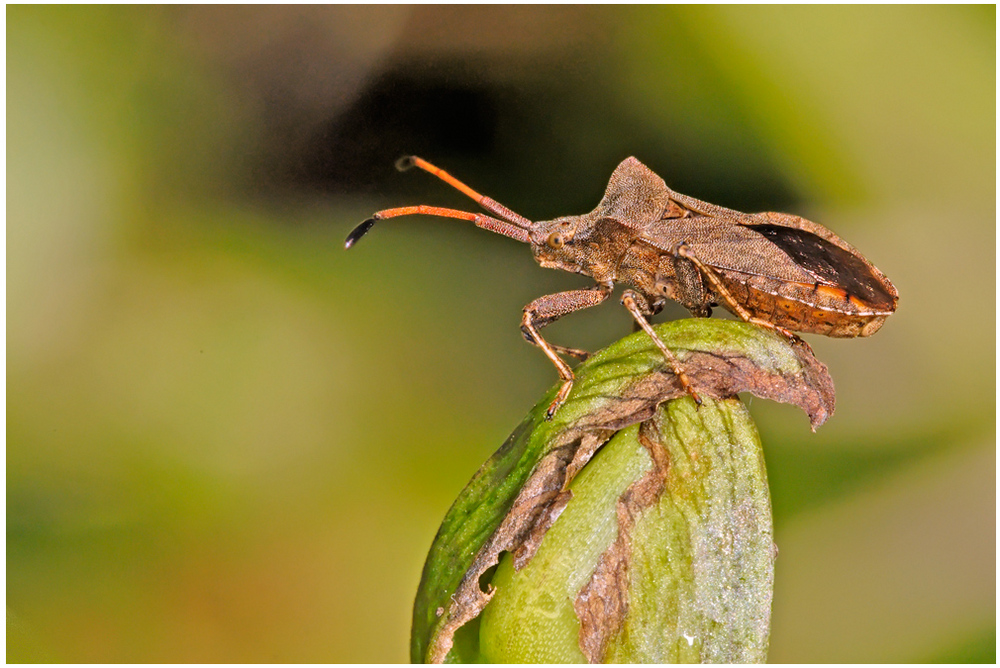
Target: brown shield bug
776, 270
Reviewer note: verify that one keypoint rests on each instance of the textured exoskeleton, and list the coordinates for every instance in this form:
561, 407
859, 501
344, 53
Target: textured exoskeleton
777, 270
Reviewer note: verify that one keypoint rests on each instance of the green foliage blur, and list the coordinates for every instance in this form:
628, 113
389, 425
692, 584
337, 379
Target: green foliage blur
230, 440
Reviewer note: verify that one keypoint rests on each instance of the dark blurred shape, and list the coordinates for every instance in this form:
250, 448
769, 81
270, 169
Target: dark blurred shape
400, 112
477, 125
530, 103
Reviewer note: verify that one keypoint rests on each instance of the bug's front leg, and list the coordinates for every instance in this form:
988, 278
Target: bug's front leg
639, 307
548, 309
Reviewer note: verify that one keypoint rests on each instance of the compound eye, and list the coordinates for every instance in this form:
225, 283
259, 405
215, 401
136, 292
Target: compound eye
556, 240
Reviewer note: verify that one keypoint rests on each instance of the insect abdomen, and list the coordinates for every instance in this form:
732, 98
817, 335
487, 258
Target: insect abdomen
807, 308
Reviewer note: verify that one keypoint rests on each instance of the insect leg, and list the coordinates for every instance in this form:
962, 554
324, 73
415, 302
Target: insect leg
572, 352
683, 250
631, 300
548, 309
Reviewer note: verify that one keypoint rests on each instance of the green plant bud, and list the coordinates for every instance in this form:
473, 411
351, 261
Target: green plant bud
634, 526
659, 558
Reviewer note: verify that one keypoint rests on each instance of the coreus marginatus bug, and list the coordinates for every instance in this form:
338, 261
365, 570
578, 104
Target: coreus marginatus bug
776, 270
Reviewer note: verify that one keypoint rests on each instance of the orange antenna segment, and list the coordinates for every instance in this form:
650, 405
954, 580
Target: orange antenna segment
487, 203
486, 222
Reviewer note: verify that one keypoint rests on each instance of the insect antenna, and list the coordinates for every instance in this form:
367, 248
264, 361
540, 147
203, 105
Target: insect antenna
488, 203
485, 222
508, 223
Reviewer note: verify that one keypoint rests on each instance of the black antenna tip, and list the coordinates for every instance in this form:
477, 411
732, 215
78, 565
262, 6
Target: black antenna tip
358, 232
406, 162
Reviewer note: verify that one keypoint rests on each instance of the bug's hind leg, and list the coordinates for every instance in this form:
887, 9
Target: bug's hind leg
639, 308
684, 251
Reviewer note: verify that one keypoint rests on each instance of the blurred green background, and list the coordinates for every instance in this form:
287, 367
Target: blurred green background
230, 440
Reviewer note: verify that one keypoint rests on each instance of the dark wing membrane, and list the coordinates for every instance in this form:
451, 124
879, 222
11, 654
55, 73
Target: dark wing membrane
829, 262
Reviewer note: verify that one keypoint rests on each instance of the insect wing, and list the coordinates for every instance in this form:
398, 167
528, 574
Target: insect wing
831, 263
763, 244
725, 246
